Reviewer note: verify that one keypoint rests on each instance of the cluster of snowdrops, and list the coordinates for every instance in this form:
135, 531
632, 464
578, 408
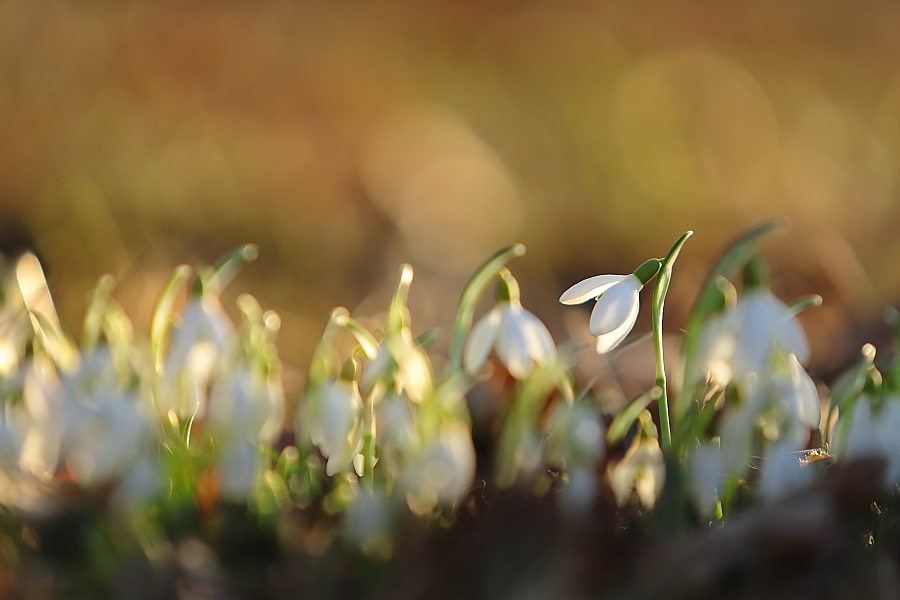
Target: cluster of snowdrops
196, 408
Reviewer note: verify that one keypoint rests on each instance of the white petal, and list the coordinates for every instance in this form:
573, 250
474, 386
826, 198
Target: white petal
589, 288
615, 306
512, 344
792, 338
608, 341
805, 394
538, 339
862, 437
481, 338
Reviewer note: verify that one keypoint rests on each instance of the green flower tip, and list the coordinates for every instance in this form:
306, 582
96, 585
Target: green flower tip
755, 274
348, 373
647, 270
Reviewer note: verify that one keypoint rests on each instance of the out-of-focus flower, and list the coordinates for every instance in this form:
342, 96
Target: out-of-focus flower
336, 430
44, 420
196, 344
246, 409
576, 442
642, 470
520, 338
617, 302
797, 392
744, 338
575, 436
782, 472
870, 435
444, 470
705, 475
107, 427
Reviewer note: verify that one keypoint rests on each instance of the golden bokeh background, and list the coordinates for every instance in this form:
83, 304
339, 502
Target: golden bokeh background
347, 137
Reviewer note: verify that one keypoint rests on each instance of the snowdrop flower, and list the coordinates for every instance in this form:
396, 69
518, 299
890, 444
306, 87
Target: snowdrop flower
705, 476
107, 426
245, 408
196, 344
576, 436
797, 392
782, 472
642, 470
444, 471
617, 302
873, 435
520, 338
744, 338
336, 430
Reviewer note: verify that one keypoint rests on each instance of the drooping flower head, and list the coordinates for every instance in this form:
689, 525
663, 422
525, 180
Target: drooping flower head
617, 302
520, 338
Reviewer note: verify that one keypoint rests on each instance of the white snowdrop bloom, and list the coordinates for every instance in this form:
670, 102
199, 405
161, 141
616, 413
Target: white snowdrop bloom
797, 391
616, 310
520, 338
576, 436
871, 435
782, 473
196, 343
705, 476
43, 422
743, 339
445, 469
367, 521
336, 430
245, 408
397, 433
246, 404
642, 470
104, 439
107, 425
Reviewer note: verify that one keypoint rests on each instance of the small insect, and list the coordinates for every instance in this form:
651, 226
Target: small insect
813, 454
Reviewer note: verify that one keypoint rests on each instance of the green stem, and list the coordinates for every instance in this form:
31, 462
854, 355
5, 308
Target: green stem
368, 476
486, 271
659, 299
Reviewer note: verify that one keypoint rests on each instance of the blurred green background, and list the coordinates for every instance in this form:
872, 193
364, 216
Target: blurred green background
346, 137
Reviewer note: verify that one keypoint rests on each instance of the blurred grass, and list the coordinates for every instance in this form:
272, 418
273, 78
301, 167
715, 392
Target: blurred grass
347, 137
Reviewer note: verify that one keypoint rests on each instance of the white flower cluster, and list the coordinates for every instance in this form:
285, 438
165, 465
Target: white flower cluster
110, 414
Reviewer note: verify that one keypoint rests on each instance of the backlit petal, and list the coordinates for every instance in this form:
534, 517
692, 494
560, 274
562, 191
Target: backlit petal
615, 306
481, 338
589, 288
512, 344
608, 341
539, 341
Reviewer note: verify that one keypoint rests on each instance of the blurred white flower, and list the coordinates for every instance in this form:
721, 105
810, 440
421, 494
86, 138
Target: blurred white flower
445, 469
642, 470
743, 338
782, 472
871, 435
245, 403
336, 430
246, 408
107, 426
196, 343
521, 340
43, 420
576, 436
616, 310
705, 476
797, 392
